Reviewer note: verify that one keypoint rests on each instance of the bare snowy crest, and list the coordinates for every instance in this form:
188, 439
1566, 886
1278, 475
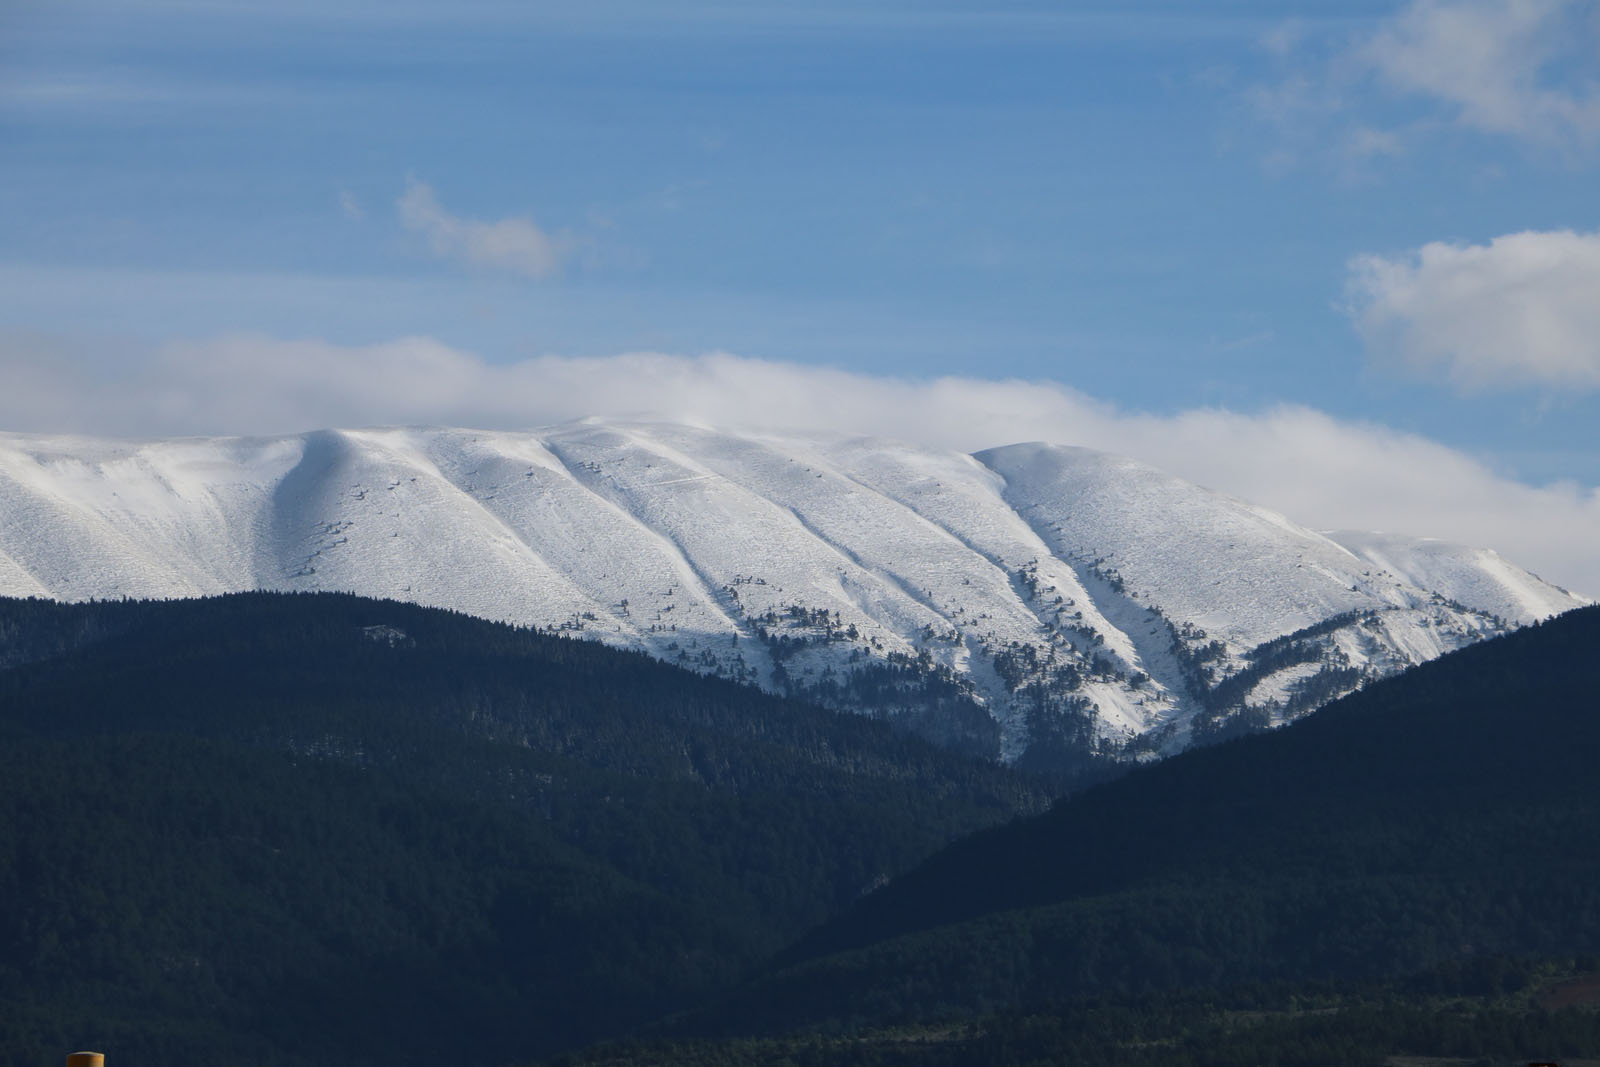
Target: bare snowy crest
1322, 471
1027, 595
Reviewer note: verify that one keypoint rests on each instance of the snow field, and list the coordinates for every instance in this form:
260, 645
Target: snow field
773, 560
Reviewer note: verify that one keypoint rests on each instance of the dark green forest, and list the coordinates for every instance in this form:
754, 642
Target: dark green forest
1504, 1016
1438, 821
293, 829
303, 829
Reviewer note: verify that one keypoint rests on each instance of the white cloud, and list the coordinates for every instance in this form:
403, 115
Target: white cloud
1528, 70
1364, 142
1522, 310
1497, 64
350, 204
1319, 470
510, 244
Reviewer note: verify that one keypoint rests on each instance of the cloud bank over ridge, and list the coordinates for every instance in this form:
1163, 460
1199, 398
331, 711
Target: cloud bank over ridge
1319, 470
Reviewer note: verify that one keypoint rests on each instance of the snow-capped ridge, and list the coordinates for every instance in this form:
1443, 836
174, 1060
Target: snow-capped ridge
1080, 600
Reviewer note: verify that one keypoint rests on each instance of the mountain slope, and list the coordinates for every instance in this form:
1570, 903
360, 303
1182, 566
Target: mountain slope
317, 828
1038, 601
1448, 814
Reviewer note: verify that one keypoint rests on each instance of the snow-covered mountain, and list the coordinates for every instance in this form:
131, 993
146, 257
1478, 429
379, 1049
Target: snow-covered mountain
1079, 599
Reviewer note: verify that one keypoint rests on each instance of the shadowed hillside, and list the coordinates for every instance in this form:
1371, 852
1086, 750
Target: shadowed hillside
1444, 816
299, 828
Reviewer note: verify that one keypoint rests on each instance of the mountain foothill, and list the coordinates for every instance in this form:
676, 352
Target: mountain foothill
625, 743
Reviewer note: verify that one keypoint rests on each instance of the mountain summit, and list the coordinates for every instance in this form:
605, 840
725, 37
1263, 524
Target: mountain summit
1035, 601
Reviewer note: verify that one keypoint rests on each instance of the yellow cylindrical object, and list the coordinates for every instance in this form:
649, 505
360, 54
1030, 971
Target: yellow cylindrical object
86, 1059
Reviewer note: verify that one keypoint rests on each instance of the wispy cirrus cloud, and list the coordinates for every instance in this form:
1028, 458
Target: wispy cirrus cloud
1522, 70
513, 244
1320, 470
1522, 310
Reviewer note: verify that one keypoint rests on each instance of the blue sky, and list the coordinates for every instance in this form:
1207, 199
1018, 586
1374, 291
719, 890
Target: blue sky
1380, 214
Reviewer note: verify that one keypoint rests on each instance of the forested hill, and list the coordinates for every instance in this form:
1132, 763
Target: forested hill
301, 829
1446, 815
